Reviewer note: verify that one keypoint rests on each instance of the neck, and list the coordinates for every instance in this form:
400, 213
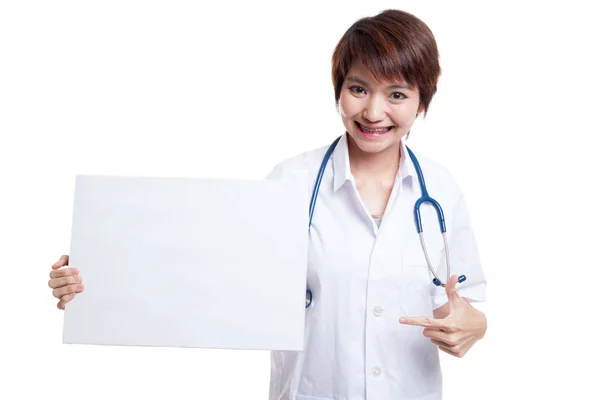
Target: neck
383, 165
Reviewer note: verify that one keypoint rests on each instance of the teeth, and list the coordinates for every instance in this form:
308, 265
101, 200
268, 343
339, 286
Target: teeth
380, 130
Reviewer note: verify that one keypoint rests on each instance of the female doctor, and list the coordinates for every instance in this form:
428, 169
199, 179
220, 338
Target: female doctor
376, 322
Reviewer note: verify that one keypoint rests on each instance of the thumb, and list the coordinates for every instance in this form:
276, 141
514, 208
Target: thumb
64, 260
451, 292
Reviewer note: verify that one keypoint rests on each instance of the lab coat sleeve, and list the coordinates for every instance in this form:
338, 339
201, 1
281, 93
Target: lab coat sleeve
291, 169
464, 258
277, 172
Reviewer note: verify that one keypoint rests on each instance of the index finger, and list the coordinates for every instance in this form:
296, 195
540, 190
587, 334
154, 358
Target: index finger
423, 321
63, 260
59, 273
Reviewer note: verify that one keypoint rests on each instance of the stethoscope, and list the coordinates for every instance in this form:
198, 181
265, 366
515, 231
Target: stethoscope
425, 198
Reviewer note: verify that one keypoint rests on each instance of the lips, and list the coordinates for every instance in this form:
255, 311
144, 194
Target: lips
373, 130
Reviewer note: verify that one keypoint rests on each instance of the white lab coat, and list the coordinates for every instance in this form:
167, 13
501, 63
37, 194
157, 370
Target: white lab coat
364, 278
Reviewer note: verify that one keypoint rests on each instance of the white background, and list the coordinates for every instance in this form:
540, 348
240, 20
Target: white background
231, 88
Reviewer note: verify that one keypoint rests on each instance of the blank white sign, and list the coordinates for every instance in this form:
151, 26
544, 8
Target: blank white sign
189, 263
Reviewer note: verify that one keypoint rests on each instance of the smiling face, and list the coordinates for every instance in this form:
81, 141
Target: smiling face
377, 114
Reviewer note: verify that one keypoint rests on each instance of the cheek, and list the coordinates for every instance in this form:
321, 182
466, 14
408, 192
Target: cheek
349, 106
404, 117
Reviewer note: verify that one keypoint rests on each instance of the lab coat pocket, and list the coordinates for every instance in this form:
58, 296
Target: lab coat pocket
416, 284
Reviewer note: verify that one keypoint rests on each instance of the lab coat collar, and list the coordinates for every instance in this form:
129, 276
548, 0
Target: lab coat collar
341, 164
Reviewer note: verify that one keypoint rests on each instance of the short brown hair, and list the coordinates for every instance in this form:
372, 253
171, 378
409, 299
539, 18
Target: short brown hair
393, 45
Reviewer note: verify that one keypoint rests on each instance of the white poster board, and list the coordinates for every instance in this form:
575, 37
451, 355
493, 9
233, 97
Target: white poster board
189, 263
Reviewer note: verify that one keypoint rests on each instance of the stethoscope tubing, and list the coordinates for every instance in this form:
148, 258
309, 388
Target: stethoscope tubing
425, 198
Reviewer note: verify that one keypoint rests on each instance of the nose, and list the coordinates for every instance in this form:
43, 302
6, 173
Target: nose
374, 109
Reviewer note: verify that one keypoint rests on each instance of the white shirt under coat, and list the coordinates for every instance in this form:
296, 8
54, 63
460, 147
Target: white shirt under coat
364, 278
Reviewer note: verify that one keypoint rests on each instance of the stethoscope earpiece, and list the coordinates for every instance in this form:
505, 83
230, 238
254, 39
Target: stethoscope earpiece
437, 282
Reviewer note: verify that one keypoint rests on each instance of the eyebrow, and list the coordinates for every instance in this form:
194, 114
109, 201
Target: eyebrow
364, 83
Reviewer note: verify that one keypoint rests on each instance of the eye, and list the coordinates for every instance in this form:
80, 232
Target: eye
357, 90
398, 96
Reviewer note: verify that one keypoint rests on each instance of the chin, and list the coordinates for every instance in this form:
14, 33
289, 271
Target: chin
373, 146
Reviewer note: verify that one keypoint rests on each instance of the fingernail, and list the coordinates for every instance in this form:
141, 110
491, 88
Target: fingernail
78, 278
403, 320
79, 286
75, 271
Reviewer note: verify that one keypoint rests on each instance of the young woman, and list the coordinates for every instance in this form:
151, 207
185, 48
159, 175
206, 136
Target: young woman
369, 280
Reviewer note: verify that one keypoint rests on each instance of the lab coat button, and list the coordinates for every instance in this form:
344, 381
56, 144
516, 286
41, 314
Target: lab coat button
376, 371
377, 310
